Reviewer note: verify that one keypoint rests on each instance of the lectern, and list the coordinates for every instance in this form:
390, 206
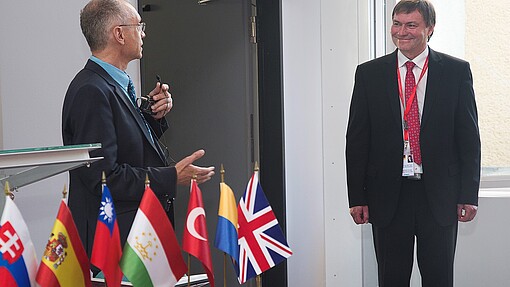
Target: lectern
21, 167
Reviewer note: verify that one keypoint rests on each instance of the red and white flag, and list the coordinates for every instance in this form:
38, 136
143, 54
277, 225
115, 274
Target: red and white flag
195, 240
18, 262
152, 256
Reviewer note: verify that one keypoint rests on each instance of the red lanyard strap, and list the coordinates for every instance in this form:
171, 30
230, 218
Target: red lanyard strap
413, 93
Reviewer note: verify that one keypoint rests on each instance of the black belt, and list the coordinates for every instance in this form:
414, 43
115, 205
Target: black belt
416, 176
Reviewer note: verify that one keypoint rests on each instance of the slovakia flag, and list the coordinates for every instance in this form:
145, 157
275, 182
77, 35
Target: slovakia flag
18, 262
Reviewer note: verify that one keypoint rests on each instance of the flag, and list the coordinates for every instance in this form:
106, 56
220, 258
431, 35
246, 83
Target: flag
262, 244
226, 229
64, 262
106, 252
152, 256
18, 262
194, 240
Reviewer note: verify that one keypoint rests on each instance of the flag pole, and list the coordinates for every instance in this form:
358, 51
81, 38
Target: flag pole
259, 281
64, 192
147, 181
189, 256
189, 270
222, 180
7, 190
103, 184
258, 278
224, 269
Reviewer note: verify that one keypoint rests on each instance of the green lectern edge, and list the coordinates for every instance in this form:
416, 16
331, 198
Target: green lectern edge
21, 167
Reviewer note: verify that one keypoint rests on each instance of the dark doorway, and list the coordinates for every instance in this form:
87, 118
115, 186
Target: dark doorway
205, 54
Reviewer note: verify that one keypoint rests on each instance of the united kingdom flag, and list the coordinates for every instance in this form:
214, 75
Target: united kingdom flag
262, 244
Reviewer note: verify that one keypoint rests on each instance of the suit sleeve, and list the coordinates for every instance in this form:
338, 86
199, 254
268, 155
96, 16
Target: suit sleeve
357, 142
468, 140
93, 117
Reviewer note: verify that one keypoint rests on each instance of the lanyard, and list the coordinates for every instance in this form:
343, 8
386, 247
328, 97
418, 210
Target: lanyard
411, 97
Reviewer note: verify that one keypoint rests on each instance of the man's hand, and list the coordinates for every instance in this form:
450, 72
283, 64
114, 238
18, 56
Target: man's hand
186, 170
163, 100
359, 214
466, 212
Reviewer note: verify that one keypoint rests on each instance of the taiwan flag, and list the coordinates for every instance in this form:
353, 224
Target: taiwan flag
106, 252
18, 262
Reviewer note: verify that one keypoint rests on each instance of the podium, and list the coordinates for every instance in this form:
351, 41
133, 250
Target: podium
21, 167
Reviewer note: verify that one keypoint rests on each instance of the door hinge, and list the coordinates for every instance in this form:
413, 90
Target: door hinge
253, 30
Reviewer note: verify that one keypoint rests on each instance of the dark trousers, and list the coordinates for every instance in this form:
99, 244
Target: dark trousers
435, 244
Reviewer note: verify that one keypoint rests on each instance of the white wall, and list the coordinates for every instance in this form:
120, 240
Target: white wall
320, 54
41, 50
303, 104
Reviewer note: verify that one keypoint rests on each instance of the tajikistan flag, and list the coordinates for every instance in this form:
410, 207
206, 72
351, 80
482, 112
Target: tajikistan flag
152, 256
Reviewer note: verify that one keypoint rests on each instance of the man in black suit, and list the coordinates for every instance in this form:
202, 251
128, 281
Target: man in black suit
423, 197
99, 108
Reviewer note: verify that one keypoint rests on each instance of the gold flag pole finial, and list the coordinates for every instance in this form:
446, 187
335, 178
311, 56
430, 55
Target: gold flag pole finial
256, 167
222, 180
222, 173
64, 192
147, 181
195, 177
7, 190
103, 177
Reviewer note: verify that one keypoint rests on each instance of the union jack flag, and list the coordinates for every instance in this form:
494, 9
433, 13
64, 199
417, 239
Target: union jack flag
262, 244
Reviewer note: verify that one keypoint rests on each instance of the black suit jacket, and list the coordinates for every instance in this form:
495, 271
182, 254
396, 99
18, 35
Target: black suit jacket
449, 139
96, 110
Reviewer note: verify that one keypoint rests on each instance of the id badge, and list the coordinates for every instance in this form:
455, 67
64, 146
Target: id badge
408, 161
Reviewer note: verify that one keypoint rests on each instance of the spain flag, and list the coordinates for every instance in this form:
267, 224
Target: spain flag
64, 262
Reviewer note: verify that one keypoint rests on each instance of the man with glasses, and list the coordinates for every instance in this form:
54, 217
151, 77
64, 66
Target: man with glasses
413, 151
100, 106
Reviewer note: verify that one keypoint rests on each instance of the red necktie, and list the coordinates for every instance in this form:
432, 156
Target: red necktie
413, 119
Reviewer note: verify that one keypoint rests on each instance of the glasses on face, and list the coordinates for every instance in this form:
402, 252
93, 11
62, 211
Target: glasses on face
139, 26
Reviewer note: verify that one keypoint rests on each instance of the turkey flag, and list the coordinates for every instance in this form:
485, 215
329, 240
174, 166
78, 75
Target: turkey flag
195, 240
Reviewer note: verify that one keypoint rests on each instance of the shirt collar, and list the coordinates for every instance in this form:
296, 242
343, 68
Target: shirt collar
419, 61
117, 74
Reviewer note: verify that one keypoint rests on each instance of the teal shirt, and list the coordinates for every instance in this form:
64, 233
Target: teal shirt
121, 77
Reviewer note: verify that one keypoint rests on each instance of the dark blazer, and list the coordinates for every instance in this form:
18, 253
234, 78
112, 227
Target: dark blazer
449, 139
96, 110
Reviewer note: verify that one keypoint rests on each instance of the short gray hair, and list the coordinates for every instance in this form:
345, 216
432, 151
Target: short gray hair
96, 19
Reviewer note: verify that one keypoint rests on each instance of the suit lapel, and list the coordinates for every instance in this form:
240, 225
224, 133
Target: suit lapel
392, 86
434, 76
119, 92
